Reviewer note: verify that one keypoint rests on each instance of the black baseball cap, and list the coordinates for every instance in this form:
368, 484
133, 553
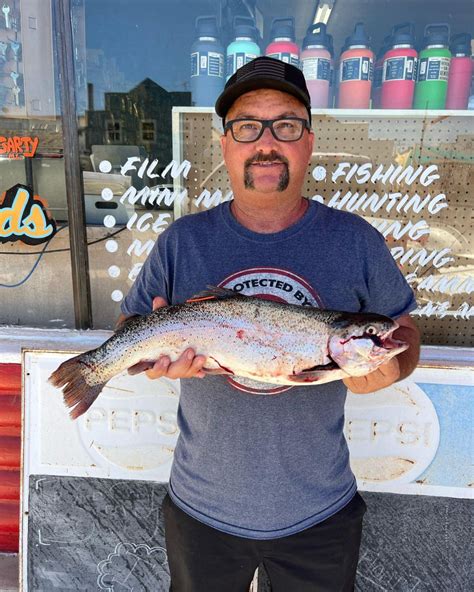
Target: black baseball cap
264, 72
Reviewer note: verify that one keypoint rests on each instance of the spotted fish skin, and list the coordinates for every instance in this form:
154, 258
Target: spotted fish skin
258, 339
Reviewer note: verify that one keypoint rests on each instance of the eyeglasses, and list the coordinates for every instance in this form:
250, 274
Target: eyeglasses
288, 129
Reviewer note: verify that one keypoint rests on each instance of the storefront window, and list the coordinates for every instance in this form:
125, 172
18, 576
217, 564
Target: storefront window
35, 270
391, 90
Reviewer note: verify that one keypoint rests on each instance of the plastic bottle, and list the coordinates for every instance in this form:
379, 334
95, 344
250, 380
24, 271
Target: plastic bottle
207, 63
316, 65
356, 72
433, 69
244, 48
283, 46
460, 72
399, 69
378, 73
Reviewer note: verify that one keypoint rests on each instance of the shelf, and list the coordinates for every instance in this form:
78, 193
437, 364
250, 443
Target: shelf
363, 113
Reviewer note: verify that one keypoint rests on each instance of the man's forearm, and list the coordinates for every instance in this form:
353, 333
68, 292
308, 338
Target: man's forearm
408, 360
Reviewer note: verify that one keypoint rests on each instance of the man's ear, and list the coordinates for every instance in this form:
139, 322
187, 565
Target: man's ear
223, 141
310, 145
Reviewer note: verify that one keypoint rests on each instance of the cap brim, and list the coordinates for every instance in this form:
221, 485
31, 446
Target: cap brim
228, 96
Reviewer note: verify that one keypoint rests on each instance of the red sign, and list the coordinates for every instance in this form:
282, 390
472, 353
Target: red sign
18, 147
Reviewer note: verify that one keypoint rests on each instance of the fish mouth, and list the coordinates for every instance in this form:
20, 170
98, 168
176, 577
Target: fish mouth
388, 343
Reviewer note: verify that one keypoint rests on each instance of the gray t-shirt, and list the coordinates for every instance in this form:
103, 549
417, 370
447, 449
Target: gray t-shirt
248, 464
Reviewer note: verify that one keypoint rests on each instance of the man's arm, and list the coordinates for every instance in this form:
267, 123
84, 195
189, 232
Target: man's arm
395, 369
188, 365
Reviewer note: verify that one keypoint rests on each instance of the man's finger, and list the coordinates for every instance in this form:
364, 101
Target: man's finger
159, 302
160, 368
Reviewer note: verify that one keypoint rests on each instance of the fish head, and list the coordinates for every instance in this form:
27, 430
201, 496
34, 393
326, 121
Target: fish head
361, 343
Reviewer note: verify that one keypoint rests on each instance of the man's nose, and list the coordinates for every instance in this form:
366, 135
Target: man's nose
267, 138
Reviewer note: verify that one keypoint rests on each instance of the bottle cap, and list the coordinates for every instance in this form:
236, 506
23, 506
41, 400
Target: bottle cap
436, 34
316, 35
359, 36
461, 44
403, 34
206, 26
283, 27
244, 26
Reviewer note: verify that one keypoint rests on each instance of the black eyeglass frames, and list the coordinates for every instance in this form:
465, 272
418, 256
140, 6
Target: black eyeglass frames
284, 129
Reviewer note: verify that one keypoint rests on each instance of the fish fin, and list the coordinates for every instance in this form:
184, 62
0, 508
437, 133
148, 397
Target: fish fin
215, 293
217, 369
140, 367
214, 371
78, 395
321, 373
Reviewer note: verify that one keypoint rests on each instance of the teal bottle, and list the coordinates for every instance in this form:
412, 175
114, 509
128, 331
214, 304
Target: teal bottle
244, 48
433, 69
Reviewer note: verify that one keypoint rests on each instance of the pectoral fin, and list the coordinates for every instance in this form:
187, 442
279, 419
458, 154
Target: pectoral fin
140, 367
321, 373
213, 371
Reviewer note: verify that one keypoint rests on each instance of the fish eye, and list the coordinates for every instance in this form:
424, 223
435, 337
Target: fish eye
371, 330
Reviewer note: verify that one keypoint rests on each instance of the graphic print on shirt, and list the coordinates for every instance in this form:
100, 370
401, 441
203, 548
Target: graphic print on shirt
279, 285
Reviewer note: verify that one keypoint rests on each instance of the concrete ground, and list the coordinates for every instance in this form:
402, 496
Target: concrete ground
8, 573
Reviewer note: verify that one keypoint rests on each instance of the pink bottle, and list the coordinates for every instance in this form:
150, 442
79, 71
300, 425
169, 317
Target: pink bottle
356, 71
399, 69
283, 46
316, 64
460, 72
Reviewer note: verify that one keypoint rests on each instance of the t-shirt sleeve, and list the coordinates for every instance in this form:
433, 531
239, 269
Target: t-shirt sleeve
387, 289
150, 282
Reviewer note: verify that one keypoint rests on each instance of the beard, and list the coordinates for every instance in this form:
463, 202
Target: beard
284, 180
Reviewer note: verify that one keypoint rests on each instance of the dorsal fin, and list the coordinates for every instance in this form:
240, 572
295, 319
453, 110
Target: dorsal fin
215, 293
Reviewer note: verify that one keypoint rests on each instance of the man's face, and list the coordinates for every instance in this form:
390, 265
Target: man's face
267, 165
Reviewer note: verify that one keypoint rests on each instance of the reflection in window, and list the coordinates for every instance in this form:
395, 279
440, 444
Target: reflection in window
148, 130
114, 131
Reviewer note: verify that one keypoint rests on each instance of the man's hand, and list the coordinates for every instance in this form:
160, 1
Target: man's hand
385, 375
396, 368
188, 365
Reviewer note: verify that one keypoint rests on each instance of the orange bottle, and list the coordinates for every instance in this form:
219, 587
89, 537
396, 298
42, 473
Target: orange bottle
356, 71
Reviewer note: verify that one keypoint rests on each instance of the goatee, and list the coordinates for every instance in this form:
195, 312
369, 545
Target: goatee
272, 157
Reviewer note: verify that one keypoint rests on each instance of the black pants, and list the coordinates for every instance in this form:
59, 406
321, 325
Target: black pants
322, 558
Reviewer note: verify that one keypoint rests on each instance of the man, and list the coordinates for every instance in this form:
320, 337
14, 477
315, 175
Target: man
267, 478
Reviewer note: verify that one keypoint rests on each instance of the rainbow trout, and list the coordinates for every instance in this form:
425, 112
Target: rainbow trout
262, 340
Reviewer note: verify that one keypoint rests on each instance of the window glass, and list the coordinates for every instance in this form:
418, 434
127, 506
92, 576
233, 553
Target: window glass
393, 130
35, 269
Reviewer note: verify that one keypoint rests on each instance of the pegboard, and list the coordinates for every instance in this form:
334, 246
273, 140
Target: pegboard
430, 235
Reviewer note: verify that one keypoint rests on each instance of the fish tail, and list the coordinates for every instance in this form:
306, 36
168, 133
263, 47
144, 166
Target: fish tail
78, 394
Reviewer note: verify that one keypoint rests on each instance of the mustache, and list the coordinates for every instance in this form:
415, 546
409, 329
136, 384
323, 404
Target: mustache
272, 156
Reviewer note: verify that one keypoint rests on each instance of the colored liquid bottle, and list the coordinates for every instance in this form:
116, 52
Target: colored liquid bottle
433, 69
356, 70
460, 72
399, 69
207, 63
316, 65
282, 46
244, 48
